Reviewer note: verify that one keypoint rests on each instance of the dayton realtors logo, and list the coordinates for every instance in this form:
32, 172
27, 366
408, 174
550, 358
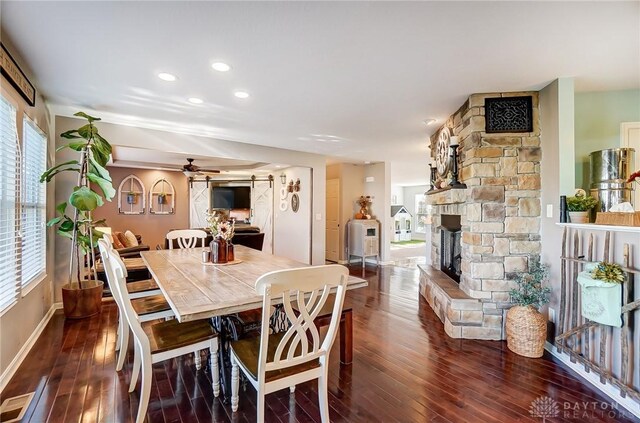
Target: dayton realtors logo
547, 408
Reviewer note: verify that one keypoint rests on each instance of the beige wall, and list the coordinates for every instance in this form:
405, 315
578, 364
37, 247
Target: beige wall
20, 321
380, 192
152, 227
351, 188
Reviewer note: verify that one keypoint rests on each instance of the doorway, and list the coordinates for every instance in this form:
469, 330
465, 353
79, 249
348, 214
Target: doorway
332, 249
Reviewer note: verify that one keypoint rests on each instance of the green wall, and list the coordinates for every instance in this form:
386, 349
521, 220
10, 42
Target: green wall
597, 124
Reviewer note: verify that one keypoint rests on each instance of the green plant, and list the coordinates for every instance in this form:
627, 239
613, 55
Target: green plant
608, 272
94, 153
529, 289
581, 203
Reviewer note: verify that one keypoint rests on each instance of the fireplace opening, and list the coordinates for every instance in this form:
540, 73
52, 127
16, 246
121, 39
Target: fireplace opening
450, 248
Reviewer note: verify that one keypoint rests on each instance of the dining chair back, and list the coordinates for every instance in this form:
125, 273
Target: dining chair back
299, 353
186, 238
161, 341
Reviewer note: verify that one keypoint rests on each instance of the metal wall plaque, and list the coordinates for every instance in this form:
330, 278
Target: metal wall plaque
508, 114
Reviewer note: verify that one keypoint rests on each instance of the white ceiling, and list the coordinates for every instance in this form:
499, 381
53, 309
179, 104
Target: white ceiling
155, 159
360, 76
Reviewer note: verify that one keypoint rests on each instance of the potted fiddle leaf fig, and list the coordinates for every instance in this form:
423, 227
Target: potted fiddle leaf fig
82, 294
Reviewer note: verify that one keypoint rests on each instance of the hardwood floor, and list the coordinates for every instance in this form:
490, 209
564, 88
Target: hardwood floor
405, 369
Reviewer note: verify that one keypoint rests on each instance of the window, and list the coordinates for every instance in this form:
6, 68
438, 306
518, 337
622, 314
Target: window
34, 212
23, 158
9, 225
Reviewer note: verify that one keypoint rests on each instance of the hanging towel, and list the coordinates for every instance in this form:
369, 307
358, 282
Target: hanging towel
601, 301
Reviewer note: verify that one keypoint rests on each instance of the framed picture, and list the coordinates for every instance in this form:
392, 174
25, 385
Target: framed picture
295, 202
10, 70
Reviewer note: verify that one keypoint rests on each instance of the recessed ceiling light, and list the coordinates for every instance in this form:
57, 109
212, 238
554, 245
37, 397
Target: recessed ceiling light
167, 76
367, 162
241, 94
221, 67
195, 100
429, 121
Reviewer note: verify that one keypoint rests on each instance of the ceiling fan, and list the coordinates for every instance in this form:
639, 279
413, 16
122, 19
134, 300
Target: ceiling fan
192, 170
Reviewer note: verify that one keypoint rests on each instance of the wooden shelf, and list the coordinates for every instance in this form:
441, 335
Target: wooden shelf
594, 227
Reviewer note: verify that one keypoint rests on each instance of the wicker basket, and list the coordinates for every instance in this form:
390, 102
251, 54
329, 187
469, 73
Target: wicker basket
526, 331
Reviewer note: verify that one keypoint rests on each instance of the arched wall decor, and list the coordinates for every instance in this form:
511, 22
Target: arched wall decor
162, 197
131, 196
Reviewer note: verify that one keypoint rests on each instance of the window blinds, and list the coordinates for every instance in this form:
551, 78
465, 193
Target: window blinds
9, 224
33, 225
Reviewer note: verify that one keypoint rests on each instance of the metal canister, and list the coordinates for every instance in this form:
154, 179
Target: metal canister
206, 255
610, 170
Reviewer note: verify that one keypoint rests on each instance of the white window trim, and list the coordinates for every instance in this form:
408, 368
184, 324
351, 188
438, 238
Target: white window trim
21, 113
42, 275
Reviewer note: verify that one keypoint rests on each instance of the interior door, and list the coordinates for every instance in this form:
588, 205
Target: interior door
332, 243
262, 212
199, 203
630, 137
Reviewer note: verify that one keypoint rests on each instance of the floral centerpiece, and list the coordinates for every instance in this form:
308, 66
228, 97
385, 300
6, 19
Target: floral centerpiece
222, 250
220, 228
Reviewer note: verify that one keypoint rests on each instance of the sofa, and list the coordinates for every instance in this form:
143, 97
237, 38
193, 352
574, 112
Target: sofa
246, 235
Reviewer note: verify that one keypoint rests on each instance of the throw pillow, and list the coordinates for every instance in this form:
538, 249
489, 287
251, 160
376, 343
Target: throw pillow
117, 240
131, 240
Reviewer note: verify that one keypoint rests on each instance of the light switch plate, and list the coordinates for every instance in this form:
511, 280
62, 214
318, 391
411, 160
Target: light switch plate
552, 315
549, 210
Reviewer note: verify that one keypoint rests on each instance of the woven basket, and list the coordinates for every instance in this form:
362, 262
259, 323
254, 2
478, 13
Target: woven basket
526, 331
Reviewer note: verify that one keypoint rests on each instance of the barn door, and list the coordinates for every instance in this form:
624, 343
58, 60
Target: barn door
262, 212
199, 203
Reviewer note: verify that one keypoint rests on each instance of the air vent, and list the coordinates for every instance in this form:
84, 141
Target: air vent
13, 409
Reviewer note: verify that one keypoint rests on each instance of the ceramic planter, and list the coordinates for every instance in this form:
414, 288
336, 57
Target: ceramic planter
579, 217
80, 302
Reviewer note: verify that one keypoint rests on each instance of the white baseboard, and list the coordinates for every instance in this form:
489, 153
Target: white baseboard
608, 390
22, 354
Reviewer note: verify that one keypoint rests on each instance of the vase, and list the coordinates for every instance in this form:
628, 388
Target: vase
230, 252
579, 216
219, 250
526, 331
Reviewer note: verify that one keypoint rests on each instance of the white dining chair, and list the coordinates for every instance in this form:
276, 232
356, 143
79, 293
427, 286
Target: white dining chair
147, 308
138, 289
186, 238
155, 342
276, 361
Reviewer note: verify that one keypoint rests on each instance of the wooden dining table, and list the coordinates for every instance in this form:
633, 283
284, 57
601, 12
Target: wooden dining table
197, 290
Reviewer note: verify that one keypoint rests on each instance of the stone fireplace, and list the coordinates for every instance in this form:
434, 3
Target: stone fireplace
499, 226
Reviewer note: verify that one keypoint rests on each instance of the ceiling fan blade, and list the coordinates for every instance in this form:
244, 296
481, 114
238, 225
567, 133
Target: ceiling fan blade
208, 170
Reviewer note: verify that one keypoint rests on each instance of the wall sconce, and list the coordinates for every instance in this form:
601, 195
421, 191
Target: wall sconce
283, 178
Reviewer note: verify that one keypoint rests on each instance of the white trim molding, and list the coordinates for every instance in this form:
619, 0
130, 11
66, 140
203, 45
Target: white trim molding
593, 379
11, 369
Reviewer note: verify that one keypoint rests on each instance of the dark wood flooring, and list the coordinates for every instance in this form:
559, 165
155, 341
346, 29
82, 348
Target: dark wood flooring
405, 369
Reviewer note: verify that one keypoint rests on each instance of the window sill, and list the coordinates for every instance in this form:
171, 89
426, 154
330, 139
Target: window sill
26, 289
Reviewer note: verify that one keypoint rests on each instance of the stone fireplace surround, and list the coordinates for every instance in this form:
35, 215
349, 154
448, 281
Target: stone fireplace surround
500, 218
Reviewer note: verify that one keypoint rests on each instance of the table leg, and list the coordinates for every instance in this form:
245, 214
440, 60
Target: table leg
346, 338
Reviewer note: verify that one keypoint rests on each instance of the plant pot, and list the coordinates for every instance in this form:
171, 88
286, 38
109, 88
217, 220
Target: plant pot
579, 217
162, 199
526, 331
132, 198
79, 303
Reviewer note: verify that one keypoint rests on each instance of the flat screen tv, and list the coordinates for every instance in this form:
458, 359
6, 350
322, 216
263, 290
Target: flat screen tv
231, 198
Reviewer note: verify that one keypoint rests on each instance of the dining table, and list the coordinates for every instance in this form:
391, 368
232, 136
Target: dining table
202, 290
